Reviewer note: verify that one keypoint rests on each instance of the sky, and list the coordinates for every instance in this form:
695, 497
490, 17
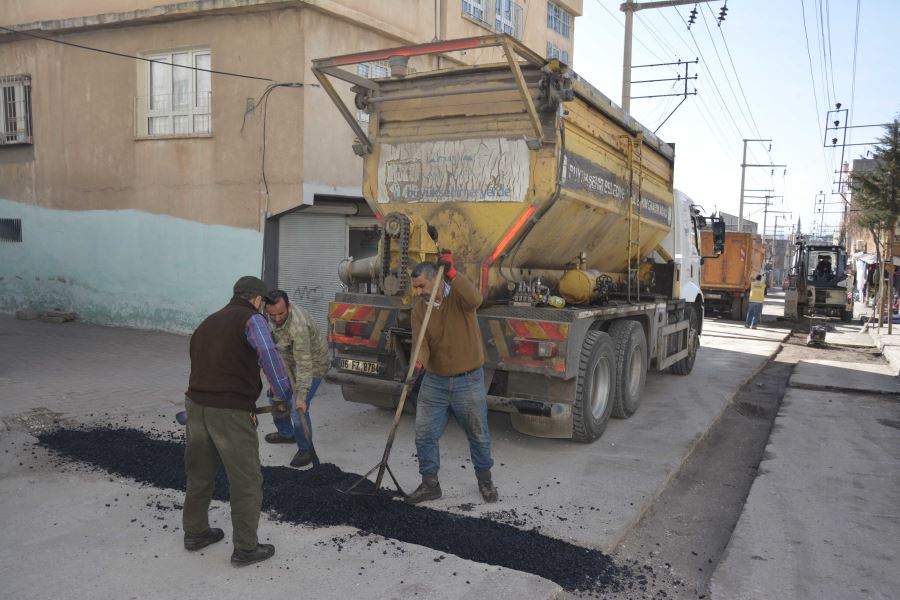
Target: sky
779, 88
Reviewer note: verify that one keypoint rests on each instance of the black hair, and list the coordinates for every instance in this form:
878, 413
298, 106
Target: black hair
277, 295
426, 269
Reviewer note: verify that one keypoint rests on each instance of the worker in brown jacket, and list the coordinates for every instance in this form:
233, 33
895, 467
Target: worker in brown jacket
452, 357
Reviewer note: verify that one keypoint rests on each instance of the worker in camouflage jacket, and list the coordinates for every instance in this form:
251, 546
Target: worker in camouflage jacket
305, 355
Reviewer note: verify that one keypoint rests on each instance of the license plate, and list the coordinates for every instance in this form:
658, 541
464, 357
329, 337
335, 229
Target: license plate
360, 366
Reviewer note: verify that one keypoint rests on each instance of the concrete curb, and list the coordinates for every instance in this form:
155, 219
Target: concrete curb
889, 345
651, 499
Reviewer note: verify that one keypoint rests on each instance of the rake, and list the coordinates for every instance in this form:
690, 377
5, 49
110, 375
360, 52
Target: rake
383, 465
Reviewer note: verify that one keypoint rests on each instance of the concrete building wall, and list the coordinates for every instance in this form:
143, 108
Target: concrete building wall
131, 230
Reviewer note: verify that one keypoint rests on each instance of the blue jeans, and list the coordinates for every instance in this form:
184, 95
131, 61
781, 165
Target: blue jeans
290, 427
464, 396
754, 313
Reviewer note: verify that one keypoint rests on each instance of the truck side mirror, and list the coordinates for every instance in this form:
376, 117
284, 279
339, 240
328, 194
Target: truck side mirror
718, 233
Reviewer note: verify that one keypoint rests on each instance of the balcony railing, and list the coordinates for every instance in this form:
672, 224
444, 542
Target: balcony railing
162, 115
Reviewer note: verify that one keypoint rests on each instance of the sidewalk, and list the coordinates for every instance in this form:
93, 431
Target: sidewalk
822, 518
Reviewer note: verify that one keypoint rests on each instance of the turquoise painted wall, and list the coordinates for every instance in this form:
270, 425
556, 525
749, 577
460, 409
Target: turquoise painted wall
127, 268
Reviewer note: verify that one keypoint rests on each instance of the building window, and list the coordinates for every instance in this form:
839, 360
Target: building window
559, 20
509, 18
554, 52
370, 70
179, 99
15, 109
478, 10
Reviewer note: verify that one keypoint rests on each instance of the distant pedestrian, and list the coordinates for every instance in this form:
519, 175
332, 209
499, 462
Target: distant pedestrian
757, 298
452, 357
305, 356
227, 351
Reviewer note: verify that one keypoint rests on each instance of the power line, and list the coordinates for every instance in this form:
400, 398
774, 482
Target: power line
830, 49
853, 77
121, 55
813, 81
740, 86
722, 65
715, 85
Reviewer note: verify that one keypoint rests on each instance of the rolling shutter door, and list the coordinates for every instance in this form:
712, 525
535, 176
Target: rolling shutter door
310, 246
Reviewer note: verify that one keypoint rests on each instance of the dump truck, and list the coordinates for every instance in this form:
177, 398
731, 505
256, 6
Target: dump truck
726, 280
820, 282
547, 194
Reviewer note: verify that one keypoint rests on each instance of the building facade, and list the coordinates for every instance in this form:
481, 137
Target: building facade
147, 161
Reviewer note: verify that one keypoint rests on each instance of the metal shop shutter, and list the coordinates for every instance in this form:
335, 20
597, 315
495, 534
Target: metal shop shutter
310, 246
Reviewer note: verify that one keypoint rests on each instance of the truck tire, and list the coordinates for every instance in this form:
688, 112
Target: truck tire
631, 366
686, 364
595, 388
738, 310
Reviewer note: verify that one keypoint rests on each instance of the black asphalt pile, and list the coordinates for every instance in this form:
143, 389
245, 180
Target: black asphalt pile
310, 498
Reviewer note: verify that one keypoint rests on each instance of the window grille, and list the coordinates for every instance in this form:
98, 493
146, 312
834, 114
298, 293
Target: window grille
10, 230
479, 10
509, 18
554, 52
559, 20
15, 110
179, 99
370, 70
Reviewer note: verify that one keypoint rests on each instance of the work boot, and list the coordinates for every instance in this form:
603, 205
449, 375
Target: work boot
194, 542
242, 558
486, 486
277, 438
429, 489
301, 459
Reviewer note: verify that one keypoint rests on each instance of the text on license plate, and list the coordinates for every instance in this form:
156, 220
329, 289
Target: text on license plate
361, 366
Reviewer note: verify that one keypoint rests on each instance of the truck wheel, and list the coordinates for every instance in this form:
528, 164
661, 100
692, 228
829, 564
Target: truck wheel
595, 388
631, 366
737, 309
686, 364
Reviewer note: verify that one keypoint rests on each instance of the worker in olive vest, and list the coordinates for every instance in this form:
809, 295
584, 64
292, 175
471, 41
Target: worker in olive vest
757, 297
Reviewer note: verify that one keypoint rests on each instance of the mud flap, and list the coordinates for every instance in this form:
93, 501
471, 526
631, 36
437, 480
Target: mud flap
546, 427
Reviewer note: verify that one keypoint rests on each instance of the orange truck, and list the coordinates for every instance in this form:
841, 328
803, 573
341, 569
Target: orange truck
725, 281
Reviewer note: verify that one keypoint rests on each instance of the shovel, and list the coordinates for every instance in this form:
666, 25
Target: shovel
181, 418
383, 466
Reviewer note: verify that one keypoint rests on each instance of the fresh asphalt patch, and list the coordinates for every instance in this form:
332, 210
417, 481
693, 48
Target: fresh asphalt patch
311, 497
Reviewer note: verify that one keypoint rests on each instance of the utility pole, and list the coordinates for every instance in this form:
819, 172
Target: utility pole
629, 7
744, 166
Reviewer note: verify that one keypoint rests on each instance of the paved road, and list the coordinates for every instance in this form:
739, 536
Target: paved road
76, 521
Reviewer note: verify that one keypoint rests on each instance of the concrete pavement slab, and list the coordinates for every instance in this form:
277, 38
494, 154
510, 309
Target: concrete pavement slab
587, 494
820, 374
821, 520
85, 534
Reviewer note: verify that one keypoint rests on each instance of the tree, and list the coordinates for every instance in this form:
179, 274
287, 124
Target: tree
876, 194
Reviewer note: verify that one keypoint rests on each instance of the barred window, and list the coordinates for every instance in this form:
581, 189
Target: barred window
509, 18
554, 52
15, 109
370, 70
477, 10
559, 20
